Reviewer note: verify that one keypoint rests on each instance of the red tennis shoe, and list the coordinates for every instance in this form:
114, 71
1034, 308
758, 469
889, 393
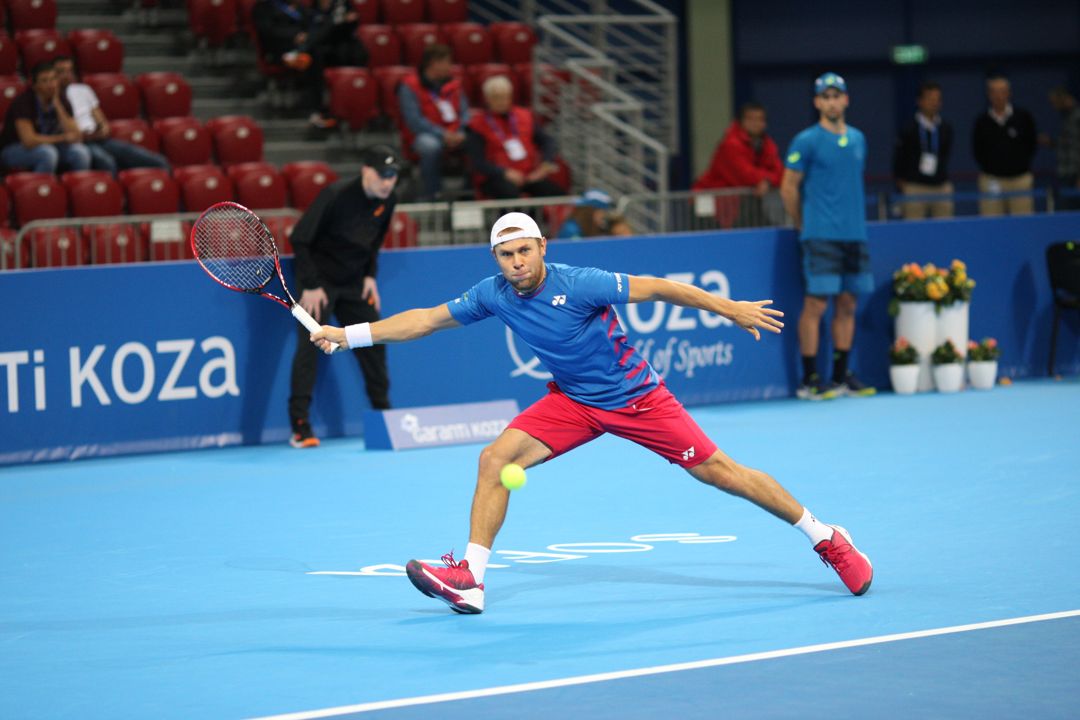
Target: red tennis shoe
453, 584
853, 567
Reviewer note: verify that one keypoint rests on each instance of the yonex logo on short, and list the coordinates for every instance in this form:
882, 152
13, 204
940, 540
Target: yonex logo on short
558, 300
688, 453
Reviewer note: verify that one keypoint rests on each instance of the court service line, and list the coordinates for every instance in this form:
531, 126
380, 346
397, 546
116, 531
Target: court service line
660, 669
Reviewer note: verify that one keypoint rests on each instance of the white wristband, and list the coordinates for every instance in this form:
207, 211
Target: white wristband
359, 335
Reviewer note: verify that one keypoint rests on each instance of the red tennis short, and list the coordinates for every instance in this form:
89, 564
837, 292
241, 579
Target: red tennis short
657, 421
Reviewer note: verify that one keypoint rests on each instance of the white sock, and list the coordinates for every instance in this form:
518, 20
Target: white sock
811, 527
478, 556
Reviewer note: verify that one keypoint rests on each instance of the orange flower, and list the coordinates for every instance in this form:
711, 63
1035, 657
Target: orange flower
990, 342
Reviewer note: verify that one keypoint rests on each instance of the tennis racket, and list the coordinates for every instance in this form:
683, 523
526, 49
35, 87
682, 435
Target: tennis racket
237, 250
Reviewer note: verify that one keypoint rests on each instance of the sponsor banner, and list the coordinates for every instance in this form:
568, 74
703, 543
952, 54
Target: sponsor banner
154, 356
420, 427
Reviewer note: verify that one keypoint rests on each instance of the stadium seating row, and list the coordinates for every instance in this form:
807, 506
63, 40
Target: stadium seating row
28, 14
472, 43
94, 51
159, 94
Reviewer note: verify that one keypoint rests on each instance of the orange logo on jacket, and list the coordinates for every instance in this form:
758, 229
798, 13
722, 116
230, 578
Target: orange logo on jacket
379, 210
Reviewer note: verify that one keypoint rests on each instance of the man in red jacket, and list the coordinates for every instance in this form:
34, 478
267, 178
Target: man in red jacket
509, 152
746, 158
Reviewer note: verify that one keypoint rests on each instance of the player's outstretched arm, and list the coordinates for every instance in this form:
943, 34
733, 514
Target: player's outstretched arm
748, 315
402, 327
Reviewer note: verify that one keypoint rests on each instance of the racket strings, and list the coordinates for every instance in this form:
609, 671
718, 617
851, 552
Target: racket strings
236, 248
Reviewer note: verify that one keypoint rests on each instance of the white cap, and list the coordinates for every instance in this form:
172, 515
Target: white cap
527, 228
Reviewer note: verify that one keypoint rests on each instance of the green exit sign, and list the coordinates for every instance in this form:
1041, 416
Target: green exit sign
909, 54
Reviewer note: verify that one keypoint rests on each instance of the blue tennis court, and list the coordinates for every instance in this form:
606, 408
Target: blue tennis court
266, 581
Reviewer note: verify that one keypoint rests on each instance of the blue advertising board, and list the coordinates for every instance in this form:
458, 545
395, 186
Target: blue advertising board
105, 360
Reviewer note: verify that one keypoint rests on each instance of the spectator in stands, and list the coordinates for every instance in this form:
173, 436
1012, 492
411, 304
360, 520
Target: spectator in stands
509, 152
823, 191
747, 157
336, 244
1004, 140
39, 131
333, 34
434, 112
283, 28
593, 217
106, 153
921, 157
1068, 147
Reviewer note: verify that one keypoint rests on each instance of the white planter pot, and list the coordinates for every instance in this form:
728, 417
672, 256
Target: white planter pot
917, 322
982, 374
904, 378
952, 324
949, 378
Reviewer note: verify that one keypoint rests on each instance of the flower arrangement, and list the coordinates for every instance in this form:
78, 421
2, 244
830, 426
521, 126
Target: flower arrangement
902, 353
983, 351
922, 283
946, 353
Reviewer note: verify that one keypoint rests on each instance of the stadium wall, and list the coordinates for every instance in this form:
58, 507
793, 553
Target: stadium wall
108, 360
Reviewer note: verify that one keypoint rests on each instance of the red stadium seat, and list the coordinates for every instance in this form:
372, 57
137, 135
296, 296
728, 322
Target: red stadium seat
414, 38
246, 24
115, 243
150, 191
470, 42
184, 140
96, 51
135, 130
167, 240
93, 193
31, 14
36, 196
354, 97
9, 55
118, 96
212, 20
258, 185
164, 94
382, 43
10, 87
281, 228
9, 259
476, 76
401, 12
388, 79
513, 41
237, 139
367, 11
545, 95
202, 185
403, 231
38, 46
447, 11
306, 179
5, 207
57, 247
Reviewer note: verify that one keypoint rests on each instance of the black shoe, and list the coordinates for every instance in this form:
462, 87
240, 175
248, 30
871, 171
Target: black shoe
854, 387
813, 389
302, 436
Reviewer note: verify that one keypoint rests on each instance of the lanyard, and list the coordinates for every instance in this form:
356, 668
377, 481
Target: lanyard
512, 120
932, 142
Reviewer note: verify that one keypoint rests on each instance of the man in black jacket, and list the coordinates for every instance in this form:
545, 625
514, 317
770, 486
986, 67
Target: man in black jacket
921, 159
1004, 140
336, 244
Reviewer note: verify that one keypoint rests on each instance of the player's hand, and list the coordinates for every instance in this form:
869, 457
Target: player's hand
371, 293
753, 315
515, 176
314, 301
329, 339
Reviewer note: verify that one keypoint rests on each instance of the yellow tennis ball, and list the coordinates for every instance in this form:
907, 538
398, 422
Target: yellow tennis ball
512, 476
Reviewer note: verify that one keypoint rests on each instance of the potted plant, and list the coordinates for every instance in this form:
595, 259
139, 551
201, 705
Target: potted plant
948, 367
953, 307
982, 363
903, 367
913, 309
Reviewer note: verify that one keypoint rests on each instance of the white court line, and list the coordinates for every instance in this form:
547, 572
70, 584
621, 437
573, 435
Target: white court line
716, 662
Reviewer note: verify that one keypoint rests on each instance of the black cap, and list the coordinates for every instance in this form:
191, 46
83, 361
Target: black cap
383, 159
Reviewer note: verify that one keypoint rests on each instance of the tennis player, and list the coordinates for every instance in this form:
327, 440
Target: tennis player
601, 385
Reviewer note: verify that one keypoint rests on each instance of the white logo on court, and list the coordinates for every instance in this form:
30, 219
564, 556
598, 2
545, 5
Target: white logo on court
530, 368
558, 300
410, 423
688, 453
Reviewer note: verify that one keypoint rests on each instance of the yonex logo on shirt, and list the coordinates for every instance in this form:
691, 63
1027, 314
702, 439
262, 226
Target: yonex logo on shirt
688, 453
558, 300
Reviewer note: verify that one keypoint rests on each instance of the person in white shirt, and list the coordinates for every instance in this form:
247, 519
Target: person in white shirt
106, 153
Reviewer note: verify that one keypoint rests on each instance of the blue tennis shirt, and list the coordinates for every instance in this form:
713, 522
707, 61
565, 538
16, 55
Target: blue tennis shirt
570, 324
833, 200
